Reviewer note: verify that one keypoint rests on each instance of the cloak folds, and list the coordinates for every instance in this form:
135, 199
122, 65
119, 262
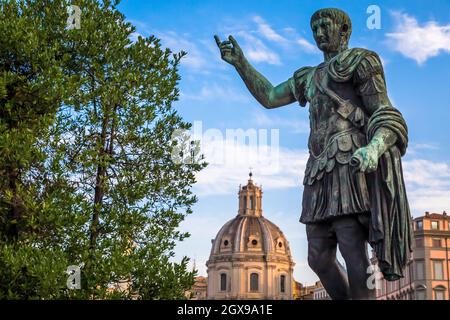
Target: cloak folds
390, 227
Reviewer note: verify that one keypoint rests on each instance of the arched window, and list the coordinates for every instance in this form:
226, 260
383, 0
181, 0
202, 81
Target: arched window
283, 284
439, 293
254, 282
223, 282
252, 204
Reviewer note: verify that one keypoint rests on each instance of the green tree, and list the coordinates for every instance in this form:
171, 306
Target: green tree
33, 84
106, 191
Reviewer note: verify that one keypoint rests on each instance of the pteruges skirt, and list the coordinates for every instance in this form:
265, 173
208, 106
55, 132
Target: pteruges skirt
331, 187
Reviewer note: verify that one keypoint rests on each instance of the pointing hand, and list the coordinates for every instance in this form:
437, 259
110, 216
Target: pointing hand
230, 50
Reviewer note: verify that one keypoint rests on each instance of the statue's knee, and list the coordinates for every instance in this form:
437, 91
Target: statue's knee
320, 263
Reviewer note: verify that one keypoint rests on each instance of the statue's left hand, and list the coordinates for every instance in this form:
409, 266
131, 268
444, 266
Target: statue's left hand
365, 159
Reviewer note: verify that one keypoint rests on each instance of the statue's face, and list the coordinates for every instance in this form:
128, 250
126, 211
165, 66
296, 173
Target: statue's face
327, 34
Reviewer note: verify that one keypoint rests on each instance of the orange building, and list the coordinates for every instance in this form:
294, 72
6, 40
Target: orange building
427, 274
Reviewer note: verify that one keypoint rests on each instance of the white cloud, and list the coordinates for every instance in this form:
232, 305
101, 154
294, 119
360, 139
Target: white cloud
256, 50
267, 32
428, 185
200, 56
294, 39
425, 173
307, 46
195, 58
419, 42
259, 39
426, 199
229, 161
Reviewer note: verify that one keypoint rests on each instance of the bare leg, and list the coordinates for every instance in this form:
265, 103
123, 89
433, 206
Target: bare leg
322, 260
352, 239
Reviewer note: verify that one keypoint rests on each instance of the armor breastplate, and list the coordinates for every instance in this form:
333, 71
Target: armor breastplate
324, 122
334, 107
334, 137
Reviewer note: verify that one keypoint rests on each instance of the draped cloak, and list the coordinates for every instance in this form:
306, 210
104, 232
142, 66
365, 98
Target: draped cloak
390, 223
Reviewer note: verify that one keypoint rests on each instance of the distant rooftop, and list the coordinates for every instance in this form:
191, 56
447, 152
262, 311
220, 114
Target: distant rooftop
433, 215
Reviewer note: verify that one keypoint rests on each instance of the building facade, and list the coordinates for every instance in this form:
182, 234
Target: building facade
250, 256
303, 292
320, 293
199, 289
427, 273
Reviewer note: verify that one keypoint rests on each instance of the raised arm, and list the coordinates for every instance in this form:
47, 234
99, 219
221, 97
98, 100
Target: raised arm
261, 88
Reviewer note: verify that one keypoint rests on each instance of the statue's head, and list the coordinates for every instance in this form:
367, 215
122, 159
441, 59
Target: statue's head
331, 28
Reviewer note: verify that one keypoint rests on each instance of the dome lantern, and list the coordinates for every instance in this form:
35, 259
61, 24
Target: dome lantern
250, 199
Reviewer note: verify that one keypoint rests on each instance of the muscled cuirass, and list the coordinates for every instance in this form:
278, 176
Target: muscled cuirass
325, 121
333, 138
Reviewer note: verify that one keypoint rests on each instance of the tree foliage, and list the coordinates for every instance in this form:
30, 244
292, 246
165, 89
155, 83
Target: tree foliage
87, 173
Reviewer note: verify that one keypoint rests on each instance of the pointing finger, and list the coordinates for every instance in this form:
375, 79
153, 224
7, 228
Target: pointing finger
216, 37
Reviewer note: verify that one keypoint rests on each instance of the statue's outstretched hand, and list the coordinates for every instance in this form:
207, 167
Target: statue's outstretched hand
365, 159
230, 50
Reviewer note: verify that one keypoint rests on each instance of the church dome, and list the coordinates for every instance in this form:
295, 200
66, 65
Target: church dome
250, 256
251, 234
249, 231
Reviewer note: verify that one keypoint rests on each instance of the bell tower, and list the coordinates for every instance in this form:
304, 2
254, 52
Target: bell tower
250, 199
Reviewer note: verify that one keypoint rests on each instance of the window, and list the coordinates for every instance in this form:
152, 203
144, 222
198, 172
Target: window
282, 284
223, 282
438, 269
245, 203
439, 294
251, 203
419, 225
419, 270
436, 242
254, 279
420, 294
434, 225
419, 242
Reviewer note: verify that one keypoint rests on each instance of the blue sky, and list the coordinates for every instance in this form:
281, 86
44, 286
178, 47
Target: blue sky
413, 42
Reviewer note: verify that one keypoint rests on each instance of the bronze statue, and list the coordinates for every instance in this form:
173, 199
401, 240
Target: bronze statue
354, 191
